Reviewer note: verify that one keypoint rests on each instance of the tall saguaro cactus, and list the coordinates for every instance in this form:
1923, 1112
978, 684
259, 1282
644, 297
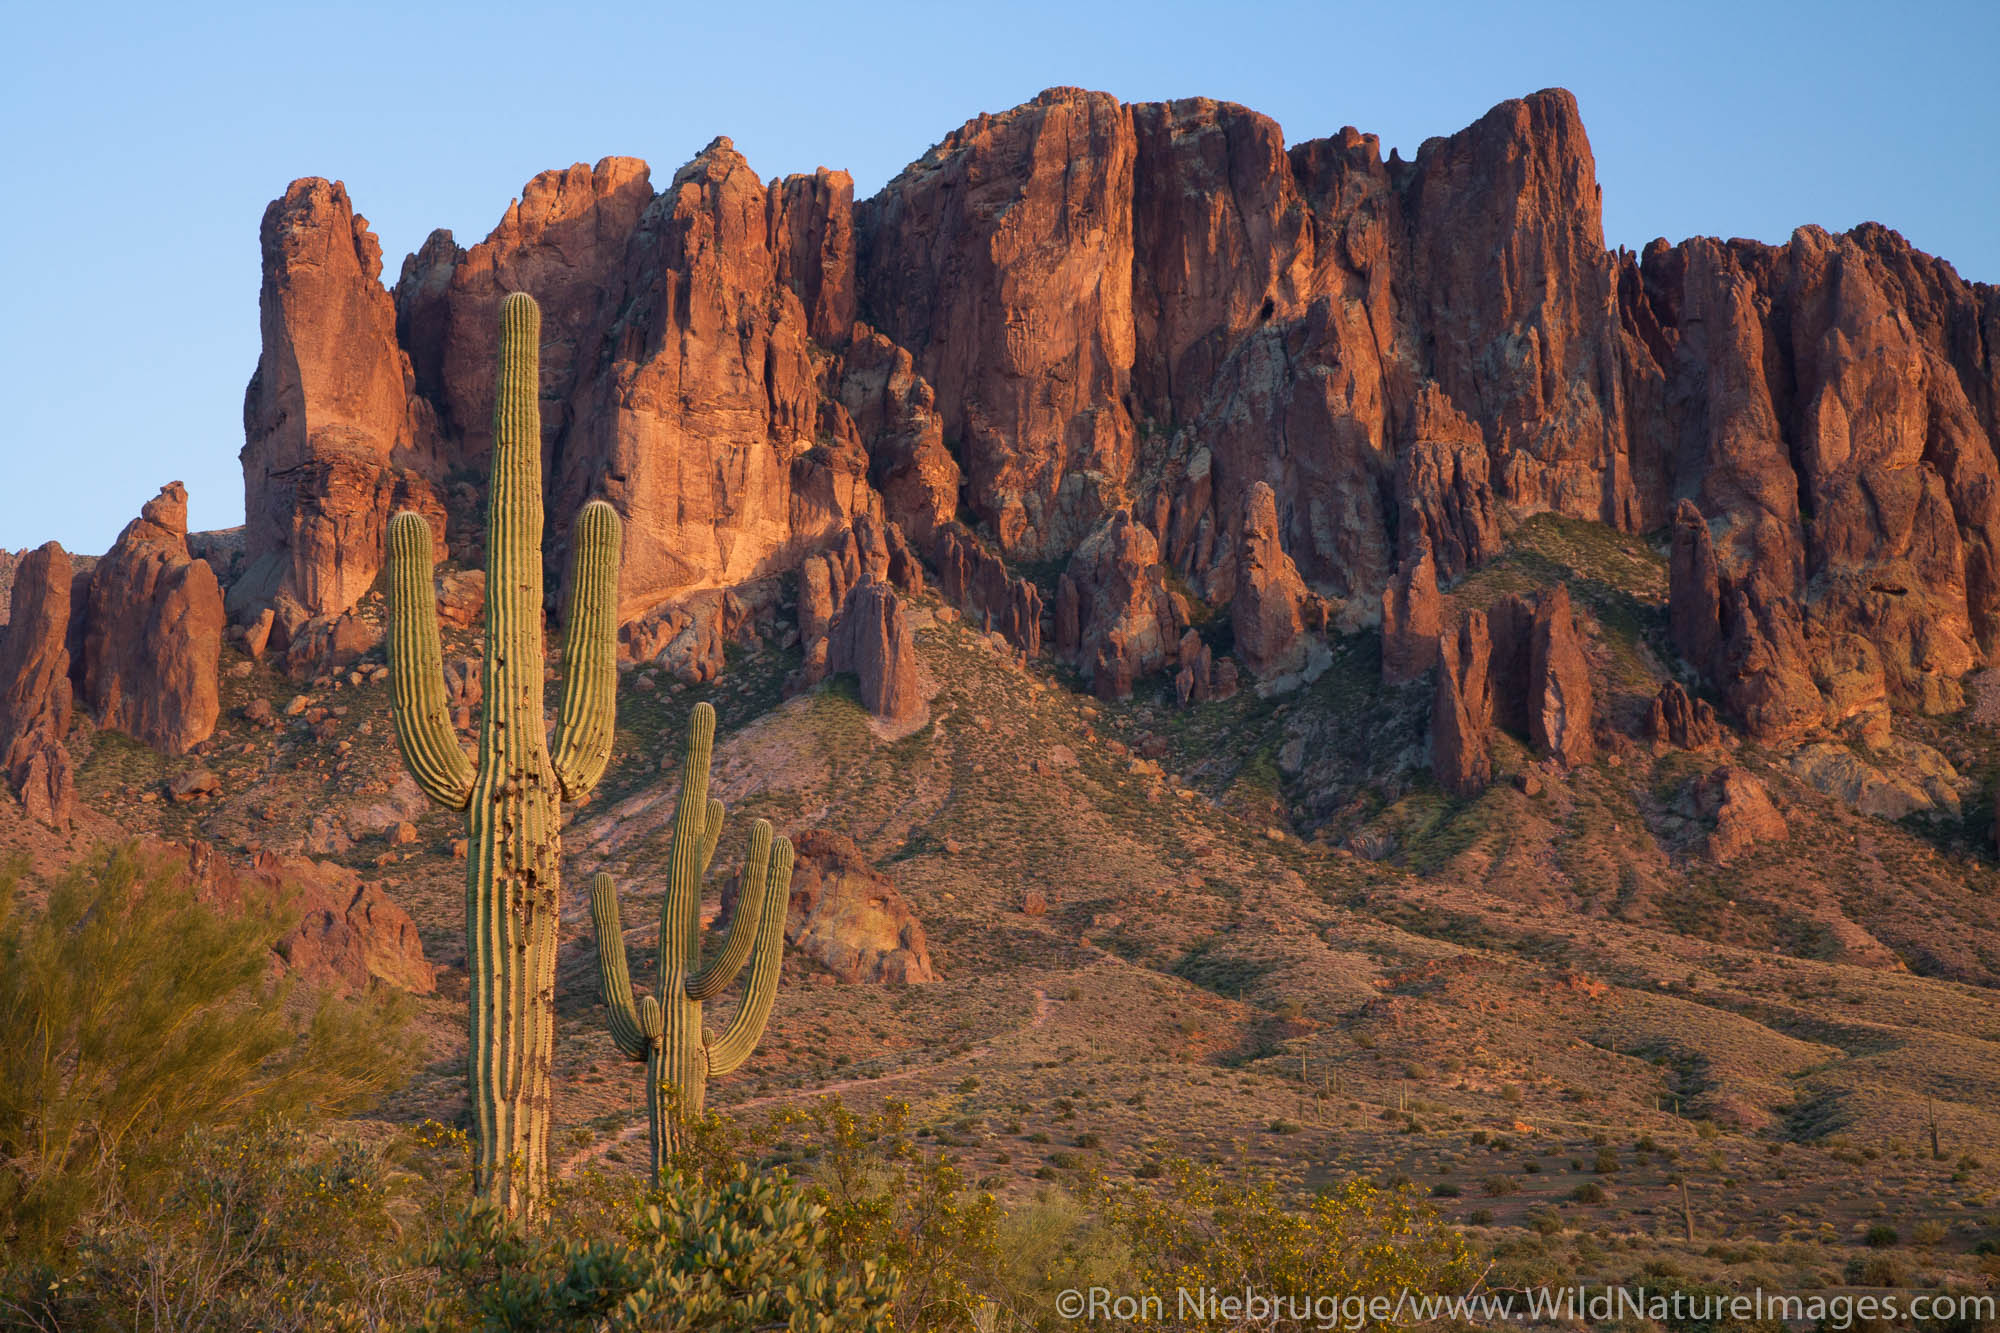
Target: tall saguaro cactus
512, 793
664, 1029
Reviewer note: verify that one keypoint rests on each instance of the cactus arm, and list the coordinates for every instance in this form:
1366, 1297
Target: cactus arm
582, 745
727, 1052
750, 901
711, 833
416, 665
628, 1028
696, 824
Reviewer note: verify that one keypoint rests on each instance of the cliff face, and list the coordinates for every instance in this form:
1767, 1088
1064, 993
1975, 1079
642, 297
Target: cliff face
1079, 309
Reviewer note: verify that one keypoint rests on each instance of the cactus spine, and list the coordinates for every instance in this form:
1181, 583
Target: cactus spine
512, 793
664, 1029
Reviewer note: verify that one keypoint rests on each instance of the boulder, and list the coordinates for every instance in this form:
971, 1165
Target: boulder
1911, 777
847, 916
1744, 815
349, 935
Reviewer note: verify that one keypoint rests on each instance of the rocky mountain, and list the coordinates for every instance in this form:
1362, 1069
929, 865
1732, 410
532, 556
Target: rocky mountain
1307, 610
1085, 334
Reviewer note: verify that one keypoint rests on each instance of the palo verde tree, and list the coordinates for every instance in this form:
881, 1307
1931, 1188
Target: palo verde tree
512, 793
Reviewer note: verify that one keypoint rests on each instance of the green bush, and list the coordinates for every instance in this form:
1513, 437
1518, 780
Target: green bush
1201, 1229
151, 1017
748, 1252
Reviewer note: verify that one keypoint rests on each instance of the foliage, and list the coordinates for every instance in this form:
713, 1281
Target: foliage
136, 1013
886, 1196
261, 1230
747, 1252
1198, 1229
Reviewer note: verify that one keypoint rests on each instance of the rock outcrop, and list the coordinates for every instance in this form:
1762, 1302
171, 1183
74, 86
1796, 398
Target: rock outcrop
35, 692
976, 580
1744, 816
1681, 722
1114, 618
847, 916
1267, 611
1462, 711
1028, 344
151, 632
349, 936
871, 637
1559, 701
1521, 665
1410, 609
331, 426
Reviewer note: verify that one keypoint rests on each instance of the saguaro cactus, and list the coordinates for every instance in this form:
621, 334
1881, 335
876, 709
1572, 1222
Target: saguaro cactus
512, 794
664, 1029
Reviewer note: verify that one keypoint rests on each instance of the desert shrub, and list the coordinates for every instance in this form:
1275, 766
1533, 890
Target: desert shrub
1881, 1236
260, 1228
907, 1208
1588, 1192
746, 1251
151, 1016
1498, 1186
1197, 1228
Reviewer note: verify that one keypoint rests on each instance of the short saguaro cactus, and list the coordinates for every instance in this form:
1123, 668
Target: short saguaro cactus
665, 1029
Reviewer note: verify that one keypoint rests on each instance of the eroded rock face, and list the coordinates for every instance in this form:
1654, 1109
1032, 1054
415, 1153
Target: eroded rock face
330, 424
1681, 722
1559, 699
152, 632
1029, 345
698, 414
976, 580
1114, 616
847, 916
35, 693
1077, 308
894, 412
1522, 665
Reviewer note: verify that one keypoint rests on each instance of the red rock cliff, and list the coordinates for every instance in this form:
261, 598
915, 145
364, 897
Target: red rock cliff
1079, 309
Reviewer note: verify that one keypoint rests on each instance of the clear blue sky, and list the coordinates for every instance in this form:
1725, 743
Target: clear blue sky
143, 142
